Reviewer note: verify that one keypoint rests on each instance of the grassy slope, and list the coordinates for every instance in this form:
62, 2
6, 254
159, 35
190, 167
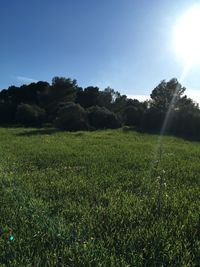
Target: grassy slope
85, 199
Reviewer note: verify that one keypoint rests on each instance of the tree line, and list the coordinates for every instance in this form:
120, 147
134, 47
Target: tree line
68, 106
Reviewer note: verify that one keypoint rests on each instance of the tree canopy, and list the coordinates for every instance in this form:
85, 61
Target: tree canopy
167, 94
68, 106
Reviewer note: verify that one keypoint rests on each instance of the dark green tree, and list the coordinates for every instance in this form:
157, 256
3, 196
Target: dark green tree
30, 114
88, 97
167, 94
101, 117
71, 117
63, 89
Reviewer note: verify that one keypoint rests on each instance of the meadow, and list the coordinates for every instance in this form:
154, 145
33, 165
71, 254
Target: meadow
102, 198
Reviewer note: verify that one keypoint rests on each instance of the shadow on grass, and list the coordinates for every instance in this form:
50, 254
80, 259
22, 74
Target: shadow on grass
146, 131
47, 131
39, 131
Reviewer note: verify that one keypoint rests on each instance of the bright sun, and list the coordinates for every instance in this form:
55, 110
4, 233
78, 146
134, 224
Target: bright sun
187, 36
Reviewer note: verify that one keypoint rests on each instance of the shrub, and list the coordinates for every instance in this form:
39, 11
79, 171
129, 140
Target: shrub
7, 113
186, 124
72, 117
30, 114
152, 120
132, 116
100, 118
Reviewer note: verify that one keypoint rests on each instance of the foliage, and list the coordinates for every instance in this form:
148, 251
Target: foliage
167, 95
63, 89
7, 113
153, 120
133, 112
88, 97
100, 118
30, 114
168, 110
71, 117
29, 94
186, 124
92, 198
172, 111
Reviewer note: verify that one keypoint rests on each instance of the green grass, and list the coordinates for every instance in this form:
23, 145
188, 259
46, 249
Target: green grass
98, 199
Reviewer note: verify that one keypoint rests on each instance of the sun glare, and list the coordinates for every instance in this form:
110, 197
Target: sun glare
187, 36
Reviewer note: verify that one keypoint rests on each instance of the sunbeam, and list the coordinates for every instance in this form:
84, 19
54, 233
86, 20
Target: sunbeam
157, 154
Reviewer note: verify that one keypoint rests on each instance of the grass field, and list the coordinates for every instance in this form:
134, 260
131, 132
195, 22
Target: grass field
98, 199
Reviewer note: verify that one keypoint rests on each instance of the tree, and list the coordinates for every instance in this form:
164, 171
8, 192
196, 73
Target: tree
167, 94
29, 94
172, 112
133, 112
30, 114
186, 104
4, 96
114, 94
7, 113
63, 89
100, 118
71, 117
105, 99
89, 97
132, 116
119, 104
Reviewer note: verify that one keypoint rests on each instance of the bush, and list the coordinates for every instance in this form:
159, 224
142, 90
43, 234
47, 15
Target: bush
72, 117
7, 113
186, 124
100, 118
132, 116
30, 114
152, 120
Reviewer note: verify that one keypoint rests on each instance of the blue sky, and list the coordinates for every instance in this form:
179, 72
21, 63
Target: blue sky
124, 44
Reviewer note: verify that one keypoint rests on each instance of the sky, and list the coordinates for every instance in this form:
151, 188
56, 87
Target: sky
125, 44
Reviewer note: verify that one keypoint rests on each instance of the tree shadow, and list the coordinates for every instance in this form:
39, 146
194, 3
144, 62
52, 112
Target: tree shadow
39, 131
157, 133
